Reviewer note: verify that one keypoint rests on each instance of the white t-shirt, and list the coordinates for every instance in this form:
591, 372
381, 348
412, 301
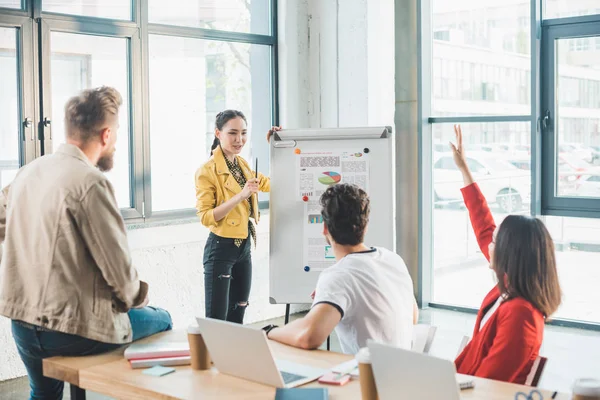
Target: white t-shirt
374, 293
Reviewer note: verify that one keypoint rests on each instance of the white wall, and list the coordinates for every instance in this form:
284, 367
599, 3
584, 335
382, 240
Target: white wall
169, 258
335, 69
336, 65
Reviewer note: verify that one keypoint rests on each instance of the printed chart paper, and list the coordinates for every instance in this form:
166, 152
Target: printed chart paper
318, 255
317, 171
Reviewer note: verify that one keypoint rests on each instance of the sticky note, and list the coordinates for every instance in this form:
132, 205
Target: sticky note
158, 370
333, 378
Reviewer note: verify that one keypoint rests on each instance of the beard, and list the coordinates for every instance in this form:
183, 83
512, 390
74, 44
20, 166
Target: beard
106, 162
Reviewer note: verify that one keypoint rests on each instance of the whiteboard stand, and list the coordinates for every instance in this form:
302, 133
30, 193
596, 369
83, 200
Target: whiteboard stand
304, 162
287, 313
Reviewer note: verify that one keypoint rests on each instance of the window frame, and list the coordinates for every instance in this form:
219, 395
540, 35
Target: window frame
29, 145
103, 28
35, 27
257, 141
539, 154
553, 30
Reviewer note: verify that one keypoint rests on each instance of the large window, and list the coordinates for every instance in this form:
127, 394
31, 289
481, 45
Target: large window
9, 110
529, 158
10, 3
80, 62
249, 16
176, 65
113, 9
479, 47
212, 76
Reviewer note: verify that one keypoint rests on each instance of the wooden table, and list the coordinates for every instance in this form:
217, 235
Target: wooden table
115, 378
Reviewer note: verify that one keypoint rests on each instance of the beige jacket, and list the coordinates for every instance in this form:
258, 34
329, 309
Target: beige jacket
66, 264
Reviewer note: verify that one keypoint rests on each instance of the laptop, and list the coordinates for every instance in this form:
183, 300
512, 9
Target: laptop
244, 352
412, 375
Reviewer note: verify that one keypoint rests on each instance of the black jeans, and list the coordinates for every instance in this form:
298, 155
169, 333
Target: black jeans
227, 278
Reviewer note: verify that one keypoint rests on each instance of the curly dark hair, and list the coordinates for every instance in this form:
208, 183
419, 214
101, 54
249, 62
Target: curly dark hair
345, 211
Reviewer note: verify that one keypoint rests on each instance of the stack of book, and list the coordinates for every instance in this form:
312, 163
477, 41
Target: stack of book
145, 355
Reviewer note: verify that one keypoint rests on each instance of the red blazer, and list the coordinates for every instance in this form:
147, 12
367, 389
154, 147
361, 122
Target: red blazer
510, 341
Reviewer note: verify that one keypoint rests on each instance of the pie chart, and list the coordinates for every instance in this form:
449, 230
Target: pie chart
330, 178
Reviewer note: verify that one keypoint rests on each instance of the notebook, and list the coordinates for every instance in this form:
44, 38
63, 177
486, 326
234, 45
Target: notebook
302, 394
163, 361
138, 351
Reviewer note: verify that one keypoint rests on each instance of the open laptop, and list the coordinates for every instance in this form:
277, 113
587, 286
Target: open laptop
407, 374
244, 352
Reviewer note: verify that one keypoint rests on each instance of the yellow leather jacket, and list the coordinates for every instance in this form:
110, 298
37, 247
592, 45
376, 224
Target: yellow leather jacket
214, 186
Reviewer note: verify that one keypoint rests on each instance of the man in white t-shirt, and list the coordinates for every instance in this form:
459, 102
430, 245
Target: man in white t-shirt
367, 294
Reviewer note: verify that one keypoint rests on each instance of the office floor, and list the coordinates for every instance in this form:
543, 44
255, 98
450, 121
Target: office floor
572, 353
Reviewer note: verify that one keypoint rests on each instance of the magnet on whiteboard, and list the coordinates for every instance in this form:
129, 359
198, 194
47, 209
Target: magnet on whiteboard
366, 150
307, 268
297, 151
305, 198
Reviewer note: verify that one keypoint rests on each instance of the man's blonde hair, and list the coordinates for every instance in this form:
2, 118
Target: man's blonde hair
86, 113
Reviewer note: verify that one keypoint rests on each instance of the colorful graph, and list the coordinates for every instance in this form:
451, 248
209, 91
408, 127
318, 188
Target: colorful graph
315, 219
330, 178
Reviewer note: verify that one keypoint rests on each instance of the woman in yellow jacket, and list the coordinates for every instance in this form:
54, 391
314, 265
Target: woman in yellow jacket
226, 199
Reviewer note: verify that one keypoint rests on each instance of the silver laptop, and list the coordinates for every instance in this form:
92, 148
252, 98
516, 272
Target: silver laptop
412, 375
244, 352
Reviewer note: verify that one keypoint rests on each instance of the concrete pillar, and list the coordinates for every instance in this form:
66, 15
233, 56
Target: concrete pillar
406, 135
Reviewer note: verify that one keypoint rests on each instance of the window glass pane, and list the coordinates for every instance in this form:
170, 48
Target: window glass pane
191, 80
484, 49
249, 16
461, 273
113, 9
9, 107
10, 4
570, 8
79, 62
578, 257
577, 118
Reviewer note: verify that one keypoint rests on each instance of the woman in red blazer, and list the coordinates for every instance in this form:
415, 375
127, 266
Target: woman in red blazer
510, 323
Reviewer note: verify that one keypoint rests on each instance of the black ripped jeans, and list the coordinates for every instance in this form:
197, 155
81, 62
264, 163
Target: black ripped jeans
227, 278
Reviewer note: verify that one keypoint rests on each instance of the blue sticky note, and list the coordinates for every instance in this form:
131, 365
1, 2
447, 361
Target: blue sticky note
158, 370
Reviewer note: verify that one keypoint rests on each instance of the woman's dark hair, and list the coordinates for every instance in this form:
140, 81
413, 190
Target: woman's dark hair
345, 211
222, 118
525, 263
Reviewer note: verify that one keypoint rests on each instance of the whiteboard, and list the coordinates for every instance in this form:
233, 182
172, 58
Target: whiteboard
293, 265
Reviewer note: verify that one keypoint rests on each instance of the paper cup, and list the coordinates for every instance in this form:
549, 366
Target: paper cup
365, 373
199, 357
586, 389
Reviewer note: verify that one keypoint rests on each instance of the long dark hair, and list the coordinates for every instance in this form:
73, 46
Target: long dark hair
525, 263
222, 118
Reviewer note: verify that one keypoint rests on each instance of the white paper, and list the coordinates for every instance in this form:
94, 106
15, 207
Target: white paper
318, 255
349, 367
319, 170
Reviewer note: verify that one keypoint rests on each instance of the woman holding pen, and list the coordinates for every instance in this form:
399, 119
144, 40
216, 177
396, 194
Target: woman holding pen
226, 200
510, 323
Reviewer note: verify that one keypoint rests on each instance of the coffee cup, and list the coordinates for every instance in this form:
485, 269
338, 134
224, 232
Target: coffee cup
365, 373
199, 357
586, 389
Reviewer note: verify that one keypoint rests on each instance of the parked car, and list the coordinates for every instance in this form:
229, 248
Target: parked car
588, 185
501, 182
578, 150
568, 174
595, 155
518, 150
